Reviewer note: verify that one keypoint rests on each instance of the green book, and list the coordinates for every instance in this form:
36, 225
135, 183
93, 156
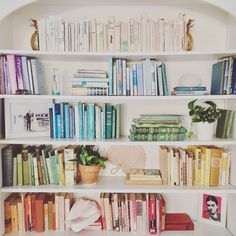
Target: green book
19, 169
118, 122
31, 169
54, 167
156, 137
25, 160
230, 124
113, 122
157, 130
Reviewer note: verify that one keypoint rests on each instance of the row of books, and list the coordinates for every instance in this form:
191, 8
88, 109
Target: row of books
189, 90
224, 76
39, 165
37, 212
57, 34
85, 121
195, 165
90, 83
133, 212
147, 77
154, 127
21, 75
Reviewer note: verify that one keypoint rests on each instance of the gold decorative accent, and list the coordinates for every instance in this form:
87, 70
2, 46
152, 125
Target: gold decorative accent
35, 35
189, 37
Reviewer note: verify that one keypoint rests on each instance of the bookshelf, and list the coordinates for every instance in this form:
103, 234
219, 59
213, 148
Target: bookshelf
210, 45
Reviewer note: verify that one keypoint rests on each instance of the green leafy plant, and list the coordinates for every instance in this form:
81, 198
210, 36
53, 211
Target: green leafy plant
199, 113
90, 156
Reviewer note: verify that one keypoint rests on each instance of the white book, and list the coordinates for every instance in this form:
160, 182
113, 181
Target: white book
105, 38
31, 86
76, 38
72, 28
69, 166
93, 36
167, 35
117, 36
67, 209
35, 76
49, 168
62, 212
153, 77
144, 31
52, 36
57, 212
61, 34
20, 216
114, 77
124, 36
42, 34
25, 72
48, 32
161, 34
45, 205
171, 27
87, 48
111, 33
124, 76
66, 36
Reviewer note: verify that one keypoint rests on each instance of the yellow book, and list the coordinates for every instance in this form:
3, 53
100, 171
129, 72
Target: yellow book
215, 164
197, 156
61, 167
14, 216
206, 159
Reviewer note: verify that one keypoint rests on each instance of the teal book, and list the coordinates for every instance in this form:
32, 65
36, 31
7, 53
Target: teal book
81, 129
103, 121
66, 120
113, 122
164, 80
217, 80
45, 155
85, 118
118, 121
91, 121
108, 121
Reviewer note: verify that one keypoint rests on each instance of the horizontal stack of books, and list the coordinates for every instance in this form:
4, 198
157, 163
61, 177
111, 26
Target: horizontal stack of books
152, 127
89, 83
188, 90
90, 35
146, 78
39, 165
21, 75
37, 212
133, 212
195, 165
85, 121
224, 76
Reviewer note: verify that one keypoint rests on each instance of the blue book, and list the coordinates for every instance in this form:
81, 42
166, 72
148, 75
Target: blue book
85, 118
110, 68
113, 122
62, 120
135, 82
66, 118
119, 76
140, 79
233, 78
54, 129
56, 112
58, 120
164, 80
226, 74
91, 121
217, 78
81, 129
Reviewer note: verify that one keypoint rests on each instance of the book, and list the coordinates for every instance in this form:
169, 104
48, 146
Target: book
144, 174
157, 137
178, 221
217, 81
155, 130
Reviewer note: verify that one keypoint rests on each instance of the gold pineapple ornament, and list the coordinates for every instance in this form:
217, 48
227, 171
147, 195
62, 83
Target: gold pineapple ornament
35, 35
189, 37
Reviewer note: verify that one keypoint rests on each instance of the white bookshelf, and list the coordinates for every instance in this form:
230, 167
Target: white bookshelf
211, 44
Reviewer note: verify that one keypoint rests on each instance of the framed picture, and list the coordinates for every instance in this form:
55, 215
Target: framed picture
213, 209
27, 118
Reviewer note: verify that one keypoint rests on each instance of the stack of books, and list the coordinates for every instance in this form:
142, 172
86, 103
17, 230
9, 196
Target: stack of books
224, 76
133, 212
145, 78
195, 166
39, 212
89, 83
152, 127
188, 90
92, 35
85, 121
39, 165
143, 176
21, 75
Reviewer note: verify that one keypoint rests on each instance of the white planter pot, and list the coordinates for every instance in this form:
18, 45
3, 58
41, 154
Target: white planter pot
205, 131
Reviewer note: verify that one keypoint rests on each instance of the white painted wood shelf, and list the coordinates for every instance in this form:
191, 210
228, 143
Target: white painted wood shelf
124, 140
201, 229
120, 99
117, 184
103, 56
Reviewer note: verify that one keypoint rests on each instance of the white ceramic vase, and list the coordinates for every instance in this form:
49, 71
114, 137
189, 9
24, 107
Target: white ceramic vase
205, 131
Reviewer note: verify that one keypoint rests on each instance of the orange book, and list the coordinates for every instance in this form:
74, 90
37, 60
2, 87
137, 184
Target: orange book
39, 208
215, 165
50, 213
7, 212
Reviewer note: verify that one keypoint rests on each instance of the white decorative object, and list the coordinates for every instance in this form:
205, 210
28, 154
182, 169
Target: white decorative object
205, 130
56, 82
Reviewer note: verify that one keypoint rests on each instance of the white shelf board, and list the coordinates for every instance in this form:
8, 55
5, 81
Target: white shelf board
103, 56
201, 229
121, 141
118, 99
117, 184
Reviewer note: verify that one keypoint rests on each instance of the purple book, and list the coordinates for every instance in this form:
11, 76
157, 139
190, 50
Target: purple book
19, 73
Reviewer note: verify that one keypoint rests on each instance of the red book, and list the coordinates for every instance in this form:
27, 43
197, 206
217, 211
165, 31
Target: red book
152, 214
178, 221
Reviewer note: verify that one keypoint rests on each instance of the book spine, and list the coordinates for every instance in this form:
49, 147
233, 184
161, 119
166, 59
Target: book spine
19, 73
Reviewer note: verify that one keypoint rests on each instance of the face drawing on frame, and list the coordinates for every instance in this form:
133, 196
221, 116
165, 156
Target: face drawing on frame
211, 207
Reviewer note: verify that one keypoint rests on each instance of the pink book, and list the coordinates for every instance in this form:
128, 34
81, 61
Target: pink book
12, 73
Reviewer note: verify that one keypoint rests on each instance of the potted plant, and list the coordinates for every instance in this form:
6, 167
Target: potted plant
90, 162
204, 117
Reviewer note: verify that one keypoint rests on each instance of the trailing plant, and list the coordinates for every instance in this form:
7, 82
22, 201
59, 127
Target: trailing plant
90, 156
207, 114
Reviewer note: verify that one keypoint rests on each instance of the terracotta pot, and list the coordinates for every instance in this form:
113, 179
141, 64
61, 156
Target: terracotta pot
89, 174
